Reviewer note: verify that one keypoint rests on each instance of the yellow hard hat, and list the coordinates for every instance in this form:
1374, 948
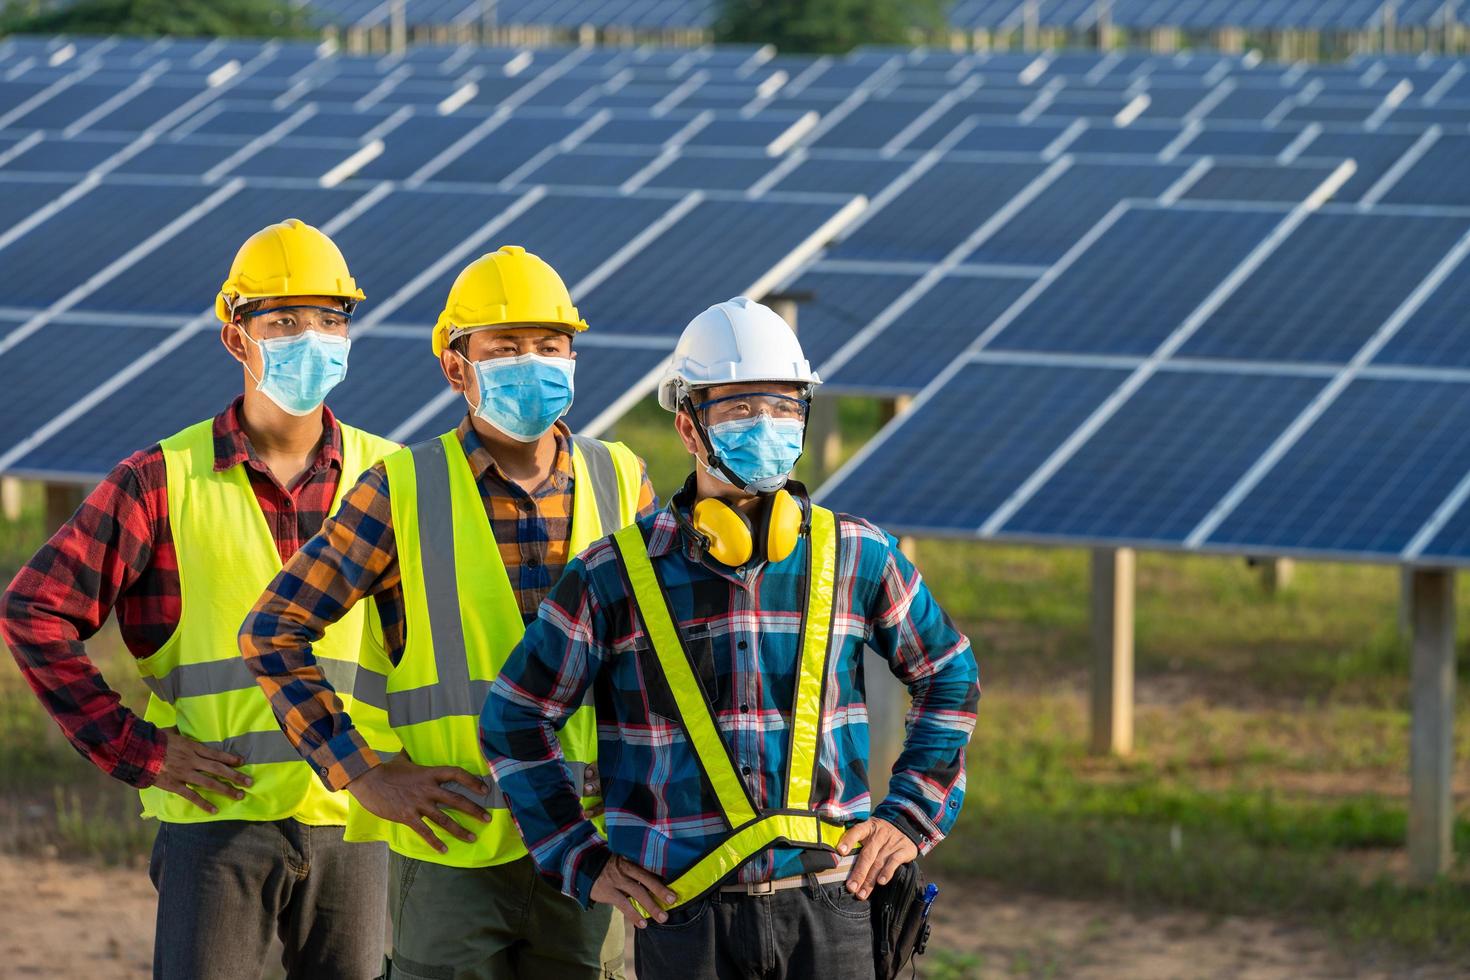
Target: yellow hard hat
505, 287
288, 259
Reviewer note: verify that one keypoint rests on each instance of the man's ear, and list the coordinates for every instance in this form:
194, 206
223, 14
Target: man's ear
453, 367
229, 335
685, 427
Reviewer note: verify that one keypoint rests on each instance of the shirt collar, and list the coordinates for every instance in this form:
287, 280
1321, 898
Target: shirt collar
232, 445
483, 464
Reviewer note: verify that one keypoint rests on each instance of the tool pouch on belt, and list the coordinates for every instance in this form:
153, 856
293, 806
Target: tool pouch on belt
900, 928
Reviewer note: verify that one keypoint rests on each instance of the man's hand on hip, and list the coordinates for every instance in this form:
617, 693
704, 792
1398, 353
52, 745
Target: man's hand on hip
885, 849
622, 883
189, 766
405, 792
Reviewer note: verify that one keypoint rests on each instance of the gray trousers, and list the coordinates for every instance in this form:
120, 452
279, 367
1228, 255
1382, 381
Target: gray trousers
809, 933
504, 922
227, 888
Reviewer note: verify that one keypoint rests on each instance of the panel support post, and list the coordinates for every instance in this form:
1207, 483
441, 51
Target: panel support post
1112, 650
12, 498
888, 705
1431, 733
62, 500
1276, 574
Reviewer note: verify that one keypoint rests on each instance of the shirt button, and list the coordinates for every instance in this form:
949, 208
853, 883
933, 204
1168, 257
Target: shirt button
745, 769
742, 645
533, 562
528, 506
744, 708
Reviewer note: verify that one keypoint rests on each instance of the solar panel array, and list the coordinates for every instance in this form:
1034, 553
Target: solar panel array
990, 15
1142, 299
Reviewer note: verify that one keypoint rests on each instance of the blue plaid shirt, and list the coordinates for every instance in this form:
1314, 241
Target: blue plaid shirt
742, 629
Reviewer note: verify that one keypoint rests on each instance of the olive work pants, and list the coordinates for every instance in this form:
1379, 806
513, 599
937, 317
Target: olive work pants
504, 922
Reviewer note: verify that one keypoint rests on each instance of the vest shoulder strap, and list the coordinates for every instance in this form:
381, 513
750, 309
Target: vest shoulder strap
599, 459
695, 713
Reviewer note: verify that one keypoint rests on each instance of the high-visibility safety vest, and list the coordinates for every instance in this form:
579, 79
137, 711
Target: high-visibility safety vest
462, 623
752, 830
198, 679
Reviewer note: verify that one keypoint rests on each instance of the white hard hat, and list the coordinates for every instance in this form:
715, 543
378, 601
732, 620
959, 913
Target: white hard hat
734, 342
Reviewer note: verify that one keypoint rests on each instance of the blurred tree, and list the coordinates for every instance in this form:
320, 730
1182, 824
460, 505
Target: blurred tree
184, 18
827, 26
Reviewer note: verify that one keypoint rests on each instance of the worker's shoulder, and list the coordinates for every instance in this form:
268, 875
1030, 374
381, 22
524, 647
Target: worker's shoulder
600, 558
854, 529
136, 479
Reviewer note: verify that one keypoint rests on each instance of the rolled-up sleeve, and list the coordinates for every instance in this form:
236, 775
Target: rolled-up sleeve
934, 660
354, 556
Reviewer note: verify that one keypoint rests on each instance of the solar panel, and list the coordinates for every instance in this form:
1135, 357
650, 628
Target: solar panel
409, 230
1042, 231
415, 143
825, 174
1374, 154
1158, 466
1365, 478
505, 148
62, 156
184, 159
146, 108
1220, 142
713, 172
1137, 281
1434, 335
1327, 288
722, 248
182, 274
84, 237
574, 233
1438, 177
92, 352
938, 211
911, 351
194, 375
1007, 417
842, 304
1261, 182
589, 166
1131, 139
1011, 136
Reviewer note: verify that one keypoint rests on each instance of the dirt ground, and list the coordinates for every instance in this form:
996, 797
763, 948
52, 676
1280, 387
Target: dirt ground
65, 920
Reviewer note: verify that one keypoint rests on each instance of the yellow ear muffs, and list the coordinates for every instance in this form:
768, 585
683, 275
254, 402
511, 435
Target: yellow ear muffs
731, 540
783, 526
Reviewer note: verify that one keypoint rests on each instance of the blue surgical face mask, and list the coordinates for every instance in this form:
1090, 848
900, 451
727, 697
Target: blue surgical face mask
298, 372
762, 451
524, 396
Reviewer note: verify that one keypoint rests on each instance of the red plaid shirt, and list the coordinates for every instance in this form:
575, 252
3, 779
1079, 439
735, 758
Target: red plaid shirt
116, 554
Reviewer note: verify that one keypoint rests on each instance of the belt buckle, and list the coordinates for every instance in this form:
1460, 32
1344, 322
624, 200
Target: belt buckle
760, 888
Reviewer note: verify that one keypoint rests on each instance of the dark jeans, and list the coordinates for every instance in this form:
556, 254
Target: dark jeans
504, 922
818, 931
225, 888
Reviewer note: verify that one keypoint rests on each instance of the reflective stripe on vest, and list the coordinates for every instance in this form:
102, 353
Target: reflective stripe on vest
218, 676
199, 682
463, 620
751, 830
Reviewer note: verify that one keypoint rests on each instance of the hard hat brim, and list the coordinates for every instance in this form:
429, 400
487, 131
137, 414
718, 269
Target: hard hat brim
446, 333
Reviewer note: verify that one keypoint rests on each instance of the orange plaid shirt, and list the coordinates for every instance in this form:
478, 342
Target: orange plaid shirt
356, 556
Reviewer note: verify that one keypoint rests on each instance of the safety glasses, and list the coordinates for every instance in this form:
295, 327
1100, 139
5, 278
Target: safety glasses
288, 320
731, 408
